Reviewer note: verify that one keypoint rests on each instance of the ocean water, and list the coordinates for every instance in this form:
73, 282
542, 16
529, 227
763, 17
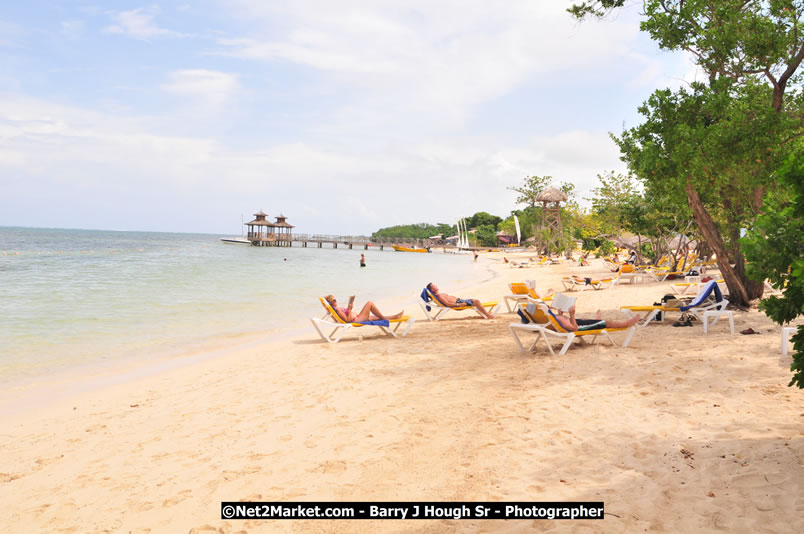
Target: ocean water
78, 297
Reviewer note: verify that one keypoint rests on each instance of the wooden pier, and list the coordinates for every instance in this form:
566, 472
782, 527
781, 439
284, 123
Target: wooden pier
264, 233
350, 242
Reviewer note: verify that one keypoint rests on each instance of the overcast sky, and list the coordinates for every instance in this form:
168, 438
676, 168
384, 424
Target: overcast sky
345, 116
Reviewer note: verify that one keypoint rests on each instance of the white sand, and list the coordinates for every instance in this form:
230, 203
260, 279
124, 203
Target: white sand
679, 432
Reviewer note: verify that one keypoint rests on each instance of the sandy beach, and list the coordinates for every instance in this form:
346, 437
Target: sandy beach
679, 432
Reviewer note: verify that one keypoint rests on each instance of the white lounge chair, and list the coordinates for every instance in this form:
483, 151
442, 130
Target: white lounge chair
543, 323
332, 319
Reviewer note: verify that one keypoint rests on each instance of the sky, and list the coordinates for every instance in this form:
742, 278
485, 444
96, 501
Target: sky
344, 116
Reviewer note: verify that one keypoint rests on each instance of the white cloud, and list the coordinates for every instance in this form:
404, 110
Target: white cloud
348, 191
425, 62
139, 24
214, 87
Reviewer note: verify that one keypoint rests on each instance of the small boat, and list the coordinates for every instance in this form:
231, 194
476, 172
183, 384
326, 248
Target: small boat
400, 248
235, 240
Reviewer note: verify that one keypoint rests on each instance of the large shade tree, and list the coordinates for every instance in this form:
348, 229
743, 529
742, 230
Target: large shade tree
718, 142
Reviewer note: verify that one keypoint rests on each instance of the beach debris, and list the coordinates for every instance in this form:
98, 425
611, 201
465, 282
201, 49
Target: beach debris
710, 494
748, 331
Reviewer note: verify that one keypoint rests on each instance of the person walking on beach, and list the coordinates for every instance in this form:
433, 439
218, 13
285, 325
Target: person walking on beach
573, 325
369, 312
449, 300
362, 260
475, 252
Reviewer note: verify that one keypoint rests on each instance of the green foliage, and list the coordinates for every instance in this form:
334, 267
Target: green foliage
774, 247
531, 188
606, 248
594, 8
414, 231
486, 235
719, 142
481, 218
609, 199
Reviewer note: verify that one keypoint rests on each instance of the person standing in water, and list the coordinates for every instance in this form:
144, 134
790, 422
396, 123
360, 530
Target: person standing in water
362, 260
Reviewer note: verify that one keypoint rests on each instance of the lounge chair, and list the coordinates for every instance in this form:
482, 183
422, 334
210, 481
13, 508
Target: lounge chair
574, 281
628, 272
542, 322
521, 293
697, 307
434, 309
681, 288
333, 319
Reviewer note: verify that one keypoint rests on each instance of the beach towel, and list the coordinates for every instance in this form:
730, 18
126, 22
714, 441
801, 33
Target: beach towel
378, 322
426, 297
703, 295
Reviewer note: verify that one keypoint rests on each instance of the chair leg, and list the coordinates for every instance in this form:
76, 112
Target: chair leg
513, 329
410, 324
567, 344
424, 309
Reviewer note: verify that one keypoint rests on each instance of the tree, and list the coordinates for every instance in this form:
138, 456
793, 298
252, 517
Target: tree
711, 147
775, 247
718, 143
482, 218
486, 235
414, 231
531, 188
609, 199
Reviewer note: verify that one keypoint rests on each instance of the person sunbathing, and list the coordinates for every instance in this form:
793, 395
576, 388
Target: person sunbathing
369, 312
572, 324
449, 300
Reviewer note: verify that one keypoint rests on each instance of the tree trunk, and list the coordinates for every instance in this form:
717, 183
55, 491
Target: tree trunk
737, 292
752, 288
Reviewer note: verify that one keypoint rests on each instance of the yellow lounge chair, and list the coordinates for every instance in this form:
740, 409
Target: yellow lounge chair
333, 319
544, 323
434, 309
628, 272
521, 293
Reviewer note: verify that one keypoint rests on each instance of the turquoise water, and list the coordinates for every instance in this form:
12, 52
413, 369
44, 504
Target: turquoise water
71, 297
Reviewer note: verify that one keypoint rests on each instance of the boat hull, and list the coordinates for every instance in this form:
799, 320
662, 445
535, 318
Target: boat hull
408, 249
235, 241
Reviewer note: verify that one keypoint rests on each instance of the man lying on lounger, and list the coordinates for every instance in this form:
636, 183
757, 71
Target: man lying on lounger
571, 324
449, 300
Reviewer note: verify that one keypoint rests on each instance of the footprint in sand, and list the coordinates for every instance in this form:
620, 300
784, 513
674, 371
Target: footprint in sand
185, 494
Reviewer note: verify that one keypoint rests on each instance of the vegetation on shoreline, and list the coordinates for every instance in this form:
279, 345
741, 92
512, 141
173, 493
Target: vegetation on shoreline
710, 160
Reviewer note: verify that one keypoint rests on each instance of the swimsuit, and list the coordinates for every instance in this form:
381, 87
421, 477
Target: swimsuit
590, 324
468, 302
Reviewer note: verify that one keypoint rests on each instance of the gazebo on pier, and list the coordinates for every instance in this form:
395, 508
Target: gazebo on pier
264, 233
284, 236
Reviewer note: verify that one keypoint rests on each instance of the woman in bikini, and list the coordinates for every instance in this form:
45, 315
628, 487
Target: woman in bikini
369, 312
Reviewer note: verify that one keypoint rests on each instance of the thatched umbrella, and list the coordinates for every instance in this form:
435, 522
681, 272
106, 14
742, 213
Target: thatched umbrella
551, 194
